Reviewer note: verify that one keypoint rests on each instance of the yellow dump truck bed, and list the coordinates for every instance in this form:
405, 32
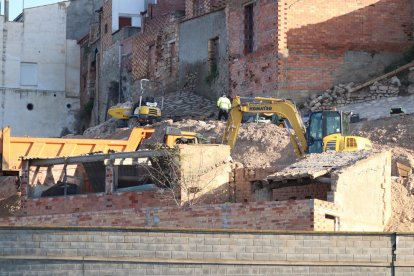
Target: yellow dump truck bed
120, 113
13, 148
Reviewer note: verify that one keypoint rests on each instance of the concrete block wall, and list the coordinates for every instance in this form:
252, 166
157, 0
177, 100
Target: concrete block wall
149, 252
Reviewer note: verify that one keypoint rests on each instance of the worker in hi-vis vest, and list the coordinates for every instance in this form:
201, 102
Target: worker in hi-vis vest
224, 106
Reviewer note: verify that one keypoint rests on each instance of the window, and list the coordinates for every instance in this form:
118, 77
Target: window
151, 61
172, 56
213, 54
28, 74
248, 28
124, 22
197, 7
106, 28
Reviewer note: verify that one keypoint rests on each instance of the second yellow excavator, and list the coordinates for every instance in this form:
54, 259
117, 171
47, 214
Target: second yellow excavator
326, 131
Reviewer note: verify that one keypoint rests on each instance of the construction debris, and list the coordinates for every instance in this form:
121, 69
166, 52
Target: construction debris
342, 94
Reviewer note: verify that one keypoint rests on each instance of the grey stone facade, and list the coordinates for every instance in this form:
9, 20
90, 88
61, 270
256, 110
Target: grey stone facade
196, 38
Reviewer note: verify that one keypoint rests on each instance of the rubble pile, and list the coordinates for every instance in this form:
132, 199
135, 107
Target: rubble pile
395, 131
103, 130
341, 95
185, 104
190, 82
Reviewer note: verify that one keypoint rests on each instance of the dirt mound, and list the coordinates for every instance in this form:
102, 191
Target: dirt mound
397, 131
402, 206
258, 145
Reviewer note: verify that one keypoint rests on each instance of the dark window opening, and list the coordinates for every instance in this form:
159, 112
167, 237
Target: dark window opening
172, 56
213, 54
249, 28
151, 62
134, 178
68, 106
29, 106
125, 22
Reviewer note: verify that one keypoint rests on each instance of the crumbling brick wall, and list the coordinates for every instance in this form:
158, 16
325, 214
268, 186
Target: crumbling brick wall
165, 6
241, 182
322, 43
253, 73
106, 25
195, 8
311, 45
91, 203
160, 35
288, 215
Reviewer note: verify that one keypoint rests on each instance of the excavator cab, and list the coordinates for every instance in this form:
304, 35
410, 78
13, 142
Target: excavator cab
321, 124
328, 131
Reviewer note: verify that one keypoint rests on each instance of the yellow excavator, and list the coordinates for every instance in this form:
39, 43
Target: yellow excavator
146, 111
326, 130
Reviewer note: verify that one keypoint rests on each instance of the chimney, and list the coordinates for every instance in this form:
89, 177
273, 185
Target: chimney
6, 10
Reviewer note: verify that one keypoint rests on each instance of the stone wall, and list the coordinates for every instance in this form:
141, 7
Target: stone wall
175, 251
341, 95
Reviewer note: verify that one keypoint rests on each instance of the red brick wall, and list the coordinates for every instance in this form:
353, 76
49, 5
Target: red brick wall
160, 32
206, 7
106, 24
253, 73
316, 34
91, 203
241, 183
289, 215
165, 6
301, 45
317, 191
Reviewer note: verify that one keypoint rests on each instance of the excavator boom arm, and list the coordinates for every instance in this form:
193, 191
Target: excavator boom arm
285, 109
